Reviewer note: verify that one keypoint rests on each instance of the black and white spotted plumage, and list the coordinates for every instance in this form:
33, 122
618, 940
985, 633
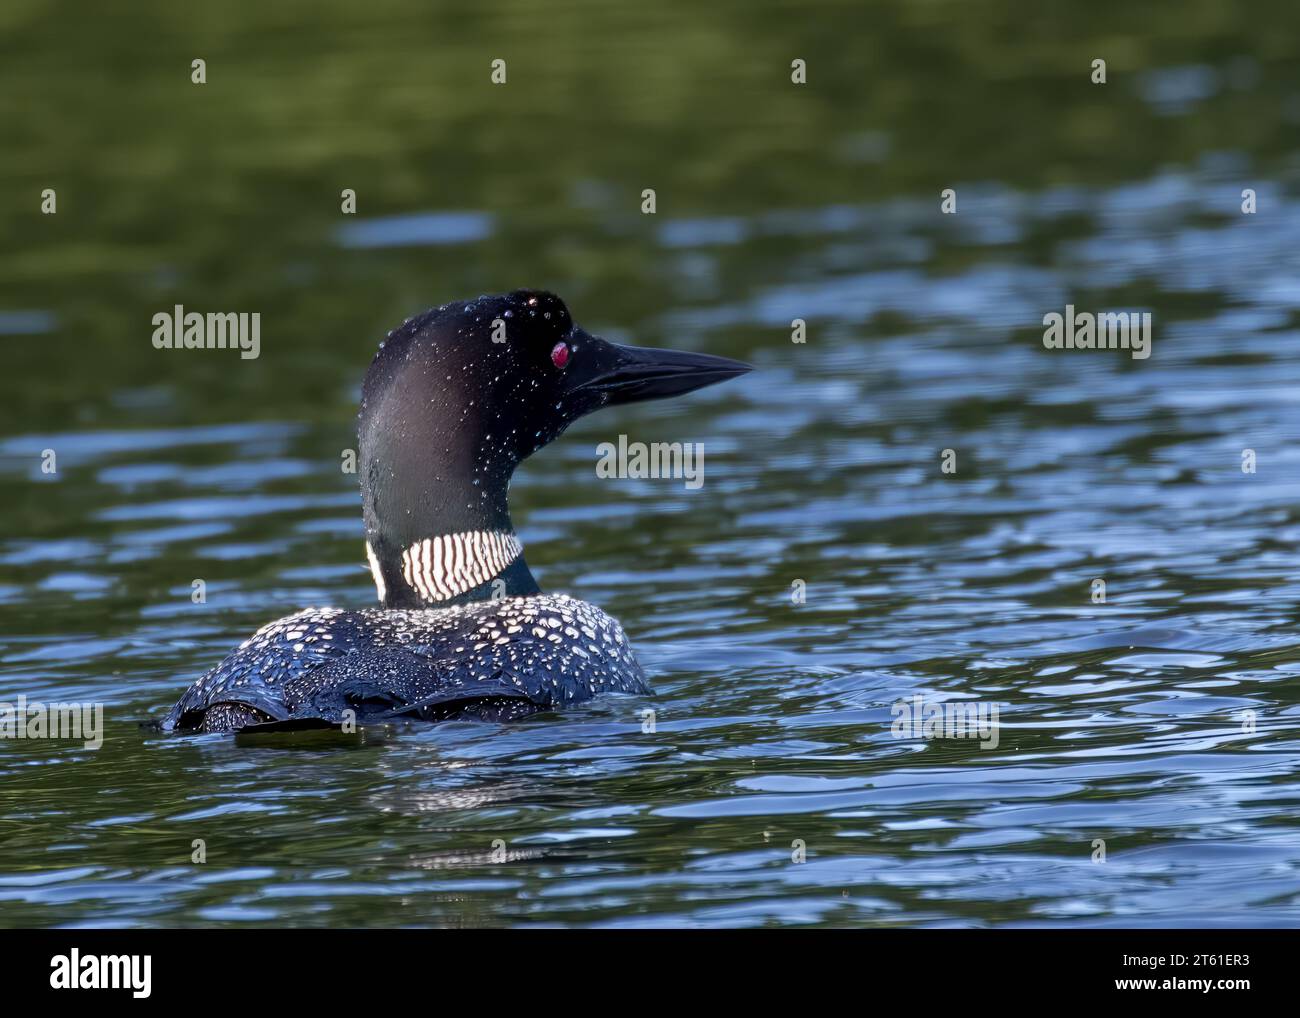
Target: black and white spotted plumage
453, 401
492, 660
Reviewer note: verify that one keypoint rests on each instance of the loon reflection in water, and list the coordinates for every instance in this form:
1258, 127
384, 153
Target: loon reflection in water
453, 401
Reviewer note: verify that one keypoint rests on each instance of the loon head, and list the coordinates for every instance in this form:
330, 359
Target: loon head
454, 400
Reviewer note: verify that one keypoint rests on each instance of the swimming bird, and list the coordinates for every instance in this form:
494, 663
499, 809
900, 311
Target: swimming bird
454, 400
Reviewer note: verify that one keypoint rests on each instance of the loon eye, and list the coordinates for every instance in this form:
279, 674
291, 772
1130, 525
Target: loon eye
560, 354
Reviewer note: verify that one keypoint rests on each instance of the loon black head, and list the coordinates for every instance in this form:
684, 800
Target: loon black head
454, 400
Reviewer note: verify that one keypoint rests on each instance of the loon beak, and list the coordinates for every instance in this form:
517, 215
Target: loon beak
629, 374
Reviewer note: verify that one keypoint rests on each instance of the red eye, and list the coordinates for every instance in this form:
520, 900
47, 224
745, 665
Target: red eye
560, 355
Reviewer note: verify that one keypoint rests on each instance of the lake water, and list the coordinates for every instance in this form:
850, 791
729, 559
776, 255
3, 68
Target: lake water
1159, 726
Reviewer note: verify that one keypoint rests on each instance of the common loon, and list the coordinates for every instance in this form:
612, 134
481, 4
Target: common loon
452, 402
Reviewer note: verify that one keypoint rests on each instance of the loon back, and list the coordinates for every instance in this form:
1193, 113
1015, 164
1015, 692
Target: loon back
489, 660
453, 401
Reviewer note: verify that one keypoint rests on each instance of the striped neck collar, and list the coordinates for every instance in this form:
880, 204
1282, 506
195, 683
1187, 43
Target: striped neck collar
438, 569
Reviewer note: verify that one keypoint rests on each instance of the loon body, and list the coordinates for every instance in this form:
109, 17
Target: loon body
454, 400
